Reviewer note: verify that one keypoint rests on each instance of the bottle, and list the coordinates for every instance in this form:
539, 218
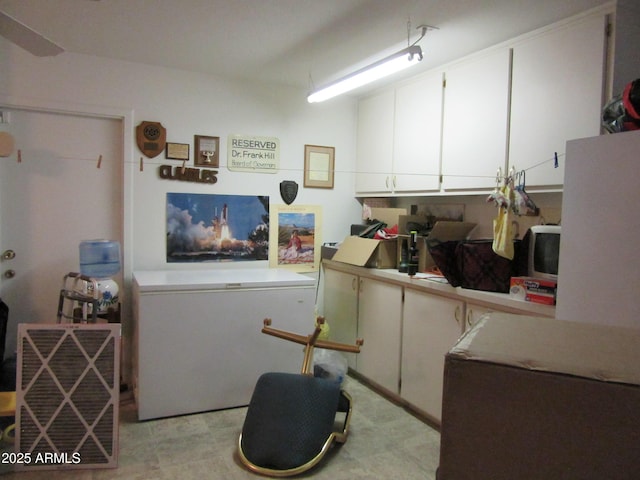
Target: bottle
404, 256
412, 266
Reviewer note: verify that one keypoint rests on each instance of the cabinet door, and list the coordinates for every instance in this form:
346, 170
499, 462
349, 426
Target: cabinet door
341, 309
418, 127
475, 124
379, 313
557, 92
431, 326
375, 143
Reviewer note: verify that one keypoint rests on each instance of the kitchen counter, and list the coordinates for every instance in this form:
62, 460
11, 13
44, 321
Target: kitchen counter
500, 301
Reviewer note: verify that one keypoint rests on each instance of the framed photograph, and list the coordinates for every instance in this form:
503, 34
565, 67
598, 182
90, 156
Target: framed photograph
207, 151
318, 166
177, 151
295, 241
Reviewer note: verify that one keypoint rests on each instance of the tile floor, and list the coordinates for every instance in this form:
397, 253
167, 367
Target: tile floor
385, 441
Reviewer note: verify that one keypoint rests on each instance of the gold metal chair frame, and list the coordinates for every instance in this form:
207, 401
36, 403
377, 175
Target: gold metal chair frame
310, 342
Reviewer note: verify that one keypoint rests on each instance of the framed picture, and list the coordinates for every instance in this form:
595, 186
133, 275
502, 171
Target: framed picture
295, 241
318, 166
207, 150
177, 151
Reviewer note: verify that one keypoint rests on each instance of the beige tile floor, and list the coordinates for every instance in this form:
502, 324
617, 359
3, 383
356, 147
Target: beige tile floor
385, 441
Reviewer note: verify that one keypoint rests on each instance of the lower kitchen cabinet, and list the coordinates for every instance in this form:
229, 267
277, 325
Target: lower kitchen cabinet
431, 326
341, 309
379, 325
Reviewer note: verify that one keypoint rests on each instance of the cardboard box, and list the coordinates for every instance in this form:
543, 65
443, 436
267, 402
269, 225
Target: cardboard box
403, 220
366, 252
532, 398
536, 290
390, 216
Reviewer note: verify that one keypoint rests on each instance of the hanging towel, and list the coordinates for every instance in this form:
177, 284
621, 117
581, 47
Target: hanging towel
502, 225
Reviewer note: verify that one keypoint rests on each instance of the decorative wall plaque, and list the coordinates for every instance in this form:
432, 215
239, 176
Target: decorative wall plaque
151, 138
288, 191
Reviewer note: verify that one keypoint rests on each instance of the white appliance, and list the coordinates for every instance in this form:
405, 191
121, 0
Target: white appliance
198, 344
599, 267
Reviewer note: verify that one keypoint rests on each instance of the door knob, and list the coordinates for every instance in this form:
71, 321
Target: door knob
9, 274
8, 255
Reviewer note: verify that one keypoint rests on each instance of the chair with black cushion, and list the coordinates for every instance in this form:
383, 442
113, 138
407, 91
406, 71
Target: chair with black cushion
291, 419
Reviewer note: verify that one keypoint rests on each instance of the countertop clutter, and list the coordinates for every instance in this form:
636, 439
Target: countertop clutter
422, 282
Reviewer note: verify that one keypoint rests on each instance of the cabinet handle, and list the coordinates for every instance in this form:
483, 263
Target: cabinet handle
354, 284
457, 314
469, 316
386, 183
394, 182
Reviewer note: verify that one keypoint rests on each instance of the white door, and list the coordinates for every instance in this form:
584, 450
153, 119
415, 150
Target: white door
53, 196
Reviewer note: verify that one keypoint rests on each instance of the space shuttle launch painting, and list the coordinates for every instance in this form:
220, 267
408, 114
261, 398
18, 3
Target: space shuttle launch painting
217, 228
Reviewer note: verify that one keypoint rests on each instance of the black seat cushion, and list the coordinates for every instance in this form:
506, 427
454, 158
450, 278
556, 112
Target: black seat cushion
289, 419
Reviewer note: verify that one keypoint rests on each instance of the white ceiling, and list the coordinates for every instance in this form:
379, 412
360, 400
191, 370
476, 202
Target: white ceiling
282, 41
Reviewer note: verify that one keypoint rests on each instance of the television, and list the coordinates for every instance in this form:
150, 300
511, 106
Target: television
544, 251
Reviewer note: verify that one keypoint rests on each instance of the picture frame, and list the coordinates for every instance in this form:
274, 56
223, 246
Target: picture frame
206, 151
319, 164
177, 151
302, 223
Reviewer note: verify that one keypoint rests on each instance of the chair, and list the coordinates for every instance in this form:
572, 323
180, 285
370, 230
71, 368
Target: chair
289, 426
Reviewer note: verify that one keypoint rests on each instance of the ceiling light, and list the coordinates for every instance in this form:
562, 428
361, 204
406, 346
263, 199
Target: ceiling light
405, 58
392, 64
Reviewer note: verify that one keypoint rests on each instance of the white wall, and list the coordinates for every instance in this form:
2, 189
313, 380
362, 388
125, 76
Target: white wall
188, 103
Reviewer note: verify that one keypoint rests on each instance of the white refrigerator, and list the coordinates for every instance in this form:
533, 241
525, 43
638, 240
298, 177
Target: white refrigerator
197, 336
599, 267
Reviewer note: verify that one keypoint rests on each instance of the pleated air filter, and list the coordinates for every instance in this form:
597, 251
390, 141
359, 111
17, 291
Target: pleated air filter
67, 395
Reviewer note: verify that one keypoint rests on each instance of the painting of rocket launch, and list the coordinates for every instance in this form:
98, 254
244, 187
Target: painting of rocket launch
217, 228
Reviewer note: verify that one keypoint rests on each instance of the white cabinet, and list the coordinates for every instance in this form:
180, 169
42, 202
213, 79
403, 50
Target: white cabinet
431, 326
379, 325
418, 123
341, 309
557, 91
375, 143
398, 144
475, 124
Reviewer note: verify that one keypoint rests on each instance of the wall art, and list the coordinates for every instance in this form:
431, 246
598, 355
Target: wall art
217, 228
319, 163
207, 151
295, 237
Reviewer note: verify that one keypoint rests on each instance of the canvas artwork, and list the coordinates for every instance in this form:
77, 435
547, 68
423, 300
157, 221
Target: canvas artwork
295, 237
217, 228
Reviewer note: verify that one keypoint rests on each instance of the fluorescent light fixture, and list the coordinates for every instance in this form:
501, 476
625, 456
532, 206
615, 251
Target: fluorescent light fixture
394, 63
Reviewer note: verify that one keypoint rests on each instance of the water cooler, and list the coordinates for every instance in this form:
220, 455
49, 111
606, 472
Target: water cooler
93, 292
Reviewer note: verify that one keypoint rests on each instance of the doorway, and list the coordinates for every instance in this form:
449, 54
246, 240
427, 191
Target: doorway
62, 184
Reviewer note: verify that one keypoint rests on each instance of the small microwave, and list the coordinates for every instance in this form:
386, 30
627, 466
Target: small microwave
544, 251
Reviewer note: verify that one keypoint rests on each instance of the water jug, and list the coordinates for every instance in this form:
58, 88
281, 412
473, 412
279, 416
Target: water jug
99, 258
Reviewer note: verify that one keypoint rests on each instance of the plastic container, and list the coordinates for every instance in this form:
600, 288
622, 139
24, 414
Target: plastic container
99, 258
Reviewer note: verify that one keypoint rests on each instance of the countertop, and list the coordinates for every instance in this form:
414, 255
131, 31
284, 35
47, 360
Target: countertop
218, 279
501, 301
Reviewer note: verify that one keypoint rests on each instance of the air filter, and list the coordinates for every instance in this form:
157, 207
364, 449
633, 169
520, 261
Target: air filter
67, 395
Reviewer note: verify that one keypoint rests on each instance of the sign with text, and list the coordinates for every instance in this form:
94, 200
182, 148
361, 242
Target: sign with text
253, 154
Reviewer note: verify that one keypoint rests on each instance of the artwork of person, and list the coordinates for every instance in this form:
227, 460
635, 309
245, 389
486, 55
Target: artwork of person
294, 246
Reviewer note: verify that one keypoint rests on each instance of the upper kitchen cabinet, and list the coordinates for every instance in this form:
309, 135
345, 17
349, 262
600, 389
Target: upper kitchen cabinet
399, 138
556, 95
475, 125
416, 152
375, 143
